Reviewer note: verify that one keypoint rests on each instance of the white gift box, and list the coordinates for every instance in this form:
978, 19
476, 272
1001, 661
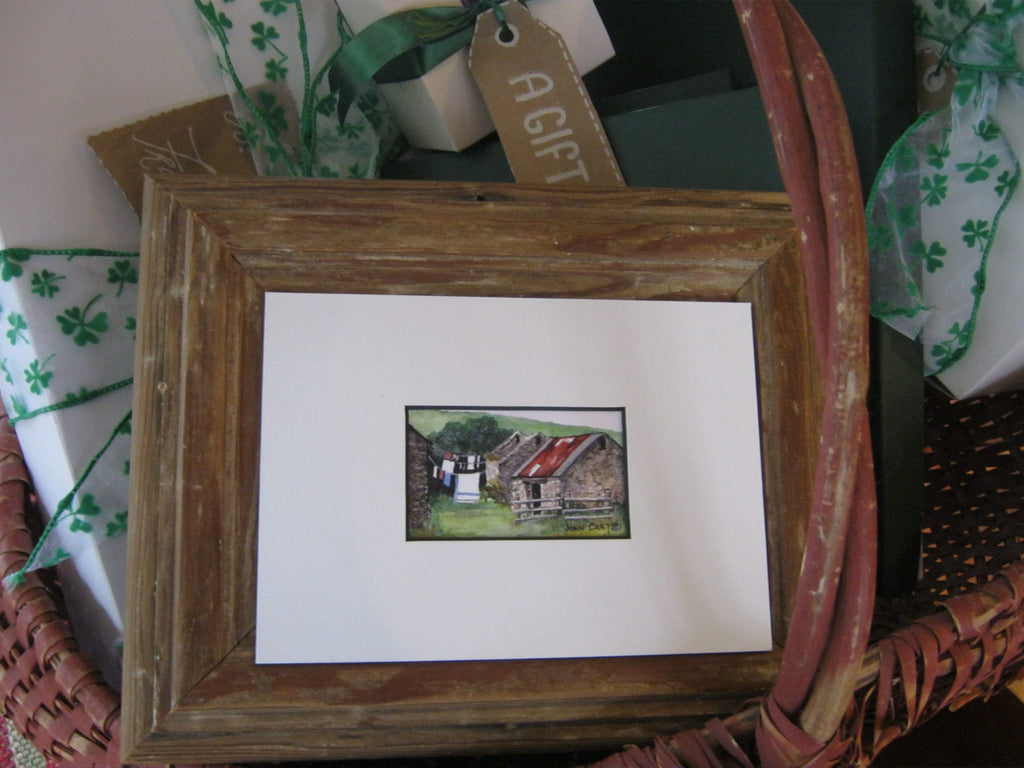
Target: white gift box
444, 109
66, 364
104, 63
994, 362
71, 70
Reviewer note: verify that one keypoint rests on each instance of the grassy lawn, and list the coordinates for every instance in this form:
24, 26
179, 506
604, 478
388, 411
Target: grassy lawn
489, 520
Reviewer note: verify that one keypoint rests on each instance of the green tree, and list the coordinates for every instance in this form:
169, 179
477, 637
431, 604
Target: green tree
475, 435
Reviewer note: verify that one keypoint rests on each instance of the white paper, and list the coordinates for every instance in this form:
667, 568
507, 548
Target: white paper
333, 558
104, 63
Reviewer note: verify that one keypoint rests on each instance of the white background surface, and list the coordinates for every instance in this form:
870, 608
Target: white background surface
339, 371
70, 69
74, 68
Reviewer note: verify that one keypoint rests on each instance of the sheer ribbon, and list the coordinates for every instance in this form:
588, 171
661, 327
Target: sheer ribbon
934, 213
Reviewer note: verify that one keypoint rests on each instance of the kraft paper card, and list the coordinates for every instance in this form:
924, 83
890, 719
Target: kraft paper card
201, 138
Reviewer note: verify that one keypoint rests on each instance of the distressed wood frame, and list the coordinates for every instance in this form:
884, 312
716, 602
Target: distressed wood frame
211, 248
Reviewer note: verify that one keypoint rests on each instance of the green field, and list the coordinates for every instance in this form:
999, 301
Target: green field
488, 519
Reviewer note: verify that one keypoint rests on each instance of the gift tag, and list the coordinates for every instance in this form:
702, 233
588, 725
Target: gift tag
200, 138
546, 122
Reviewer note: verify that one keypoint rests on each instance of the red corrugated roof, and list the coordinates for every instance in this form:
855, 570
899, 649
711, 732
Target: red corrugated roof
552, 456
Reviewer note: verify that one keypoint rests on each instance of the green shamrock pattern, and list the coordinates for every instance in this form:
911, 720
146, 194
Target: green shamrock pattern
122, 274
18, 326
37, 377
291, 122
935, 208
46, 283
82, 325
68, 339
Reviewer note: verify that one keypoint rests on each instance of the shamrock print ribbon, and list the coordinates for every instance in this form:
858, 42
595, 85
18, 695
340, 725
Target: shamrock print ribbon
67, 340
288, 112
934, 212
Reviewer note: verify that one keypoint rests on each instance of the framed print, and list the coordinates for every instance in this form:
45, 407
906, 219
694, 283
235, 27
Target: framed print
542, 527
292, 429
478, 473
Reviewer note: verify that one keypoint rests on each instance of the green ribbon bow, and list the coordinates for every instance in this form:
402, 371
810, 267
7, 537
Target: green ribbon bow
404, 46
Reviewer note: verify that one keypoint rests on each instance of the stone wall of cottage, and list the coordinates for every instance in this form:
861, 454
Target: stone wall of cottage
417, 479
514, 458
599, 471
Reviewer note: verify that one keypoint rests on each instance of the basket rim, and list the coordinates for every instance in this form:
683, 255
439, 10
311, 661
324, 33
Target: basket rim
53, 694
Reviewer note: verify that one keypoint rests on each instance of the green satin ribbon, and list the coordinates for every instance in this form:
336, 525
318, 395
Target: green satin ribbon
404, 46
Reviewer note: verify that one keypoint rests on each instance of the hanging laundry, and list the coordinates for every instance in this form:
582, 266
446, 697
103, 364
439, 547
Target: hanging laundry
467, 487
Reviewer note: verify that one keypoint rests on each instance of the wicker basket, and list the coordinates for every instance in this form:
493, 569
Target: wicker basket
52, 693
838, 699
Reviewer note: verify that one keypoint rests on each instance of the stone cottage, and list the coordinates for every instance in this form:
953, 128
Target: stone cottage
508, 456
581, 476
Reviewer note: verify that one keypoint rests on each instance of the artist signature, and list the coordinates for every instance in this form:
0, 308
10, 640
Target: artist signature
603, 526
166, 159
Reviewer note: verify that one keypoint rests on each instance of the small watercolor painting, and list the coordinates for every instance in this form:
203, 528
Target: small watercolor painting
516, 473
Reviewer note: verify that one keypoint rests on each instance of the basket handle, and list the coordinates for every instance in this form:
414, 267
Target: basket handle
835, 596
797, 723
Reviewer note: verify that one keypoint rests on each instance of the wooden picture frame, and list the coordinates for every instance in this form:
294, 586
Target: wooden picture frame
211, 248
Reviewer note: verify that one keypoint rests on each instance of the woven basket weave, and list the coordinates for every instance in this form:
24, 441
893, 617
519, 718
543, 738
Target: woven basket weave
960, 635
52, 693
838, 700
974, 523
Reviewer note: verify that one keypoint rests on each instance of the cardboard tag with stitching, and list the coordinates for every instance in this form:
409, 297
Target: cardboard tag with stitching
545, 119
